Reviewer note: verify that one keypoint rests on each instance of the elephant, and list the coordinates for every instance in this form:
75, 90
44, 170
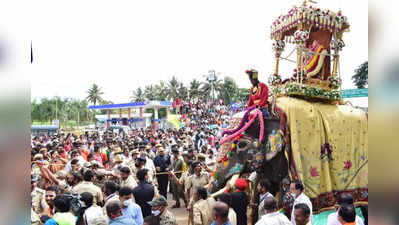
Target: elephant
332, 164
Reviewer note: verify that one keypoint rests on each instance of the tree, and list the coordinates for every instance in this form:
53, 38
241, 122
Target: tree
228, 90
210, 88
194, 90
173, 87
182, 91
138, 95
161, 91
242, 95
360, 79
94, 94
149, 92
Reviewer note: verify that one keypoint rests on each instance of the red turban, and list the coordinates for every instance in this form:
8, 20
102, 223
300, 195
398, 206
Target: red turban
241, 184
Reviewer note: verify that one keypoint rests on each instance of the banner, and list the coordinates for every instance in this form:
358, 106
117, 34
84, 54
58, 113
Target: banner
174, 120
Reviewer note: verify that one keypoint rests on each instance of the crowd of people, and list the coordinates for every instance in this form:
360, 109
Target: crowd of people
125, 179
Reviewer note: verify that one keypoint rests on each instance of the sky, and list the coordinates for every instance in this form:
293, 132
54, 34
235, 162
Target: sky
130, 44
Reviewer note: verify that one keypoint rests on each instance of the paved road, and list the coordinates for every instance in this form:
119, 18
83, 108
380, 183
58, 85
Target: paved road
180, 213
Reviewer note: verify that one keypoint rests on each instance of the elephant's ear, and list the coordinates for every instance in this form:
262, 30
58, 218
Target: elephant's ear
275, 144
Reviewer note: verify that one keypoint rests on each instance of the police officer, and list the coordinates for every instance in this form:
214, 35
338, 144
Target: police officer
177, 167
39, 204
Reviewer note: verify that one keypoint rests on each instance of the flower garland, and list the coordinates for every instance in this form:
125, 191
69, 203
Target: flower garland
242, 123
278, 45
257, 113
335, 82
292, 89
301, 36
320, 18
338, 45
274, 80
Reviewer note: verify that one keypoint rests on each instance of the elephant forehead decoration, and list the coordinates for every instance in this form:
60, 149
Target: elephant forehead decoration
243, 143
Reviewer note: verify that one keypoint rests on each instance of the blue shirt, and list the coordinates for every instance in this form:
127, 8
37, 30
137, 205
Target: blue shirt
133, 211
227, 223
123, 221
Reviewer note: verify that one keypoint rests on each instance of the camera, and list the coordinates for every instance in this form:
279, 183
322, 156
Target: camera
77, 205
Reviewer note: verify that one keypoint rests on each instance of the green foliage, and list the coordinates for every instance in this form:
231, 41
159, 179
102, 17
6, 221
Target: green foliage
210, 89
149, 92
360, 79
63, 109
194, 90
173, 88
138, 95
94, 94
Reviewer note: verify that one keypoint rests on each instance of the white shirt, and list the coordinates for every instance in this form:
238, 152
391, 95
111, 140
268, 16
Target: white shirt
92, 213
302, 198
209, 160
275, 218
232, 216
261, 209
333, 219
252, 177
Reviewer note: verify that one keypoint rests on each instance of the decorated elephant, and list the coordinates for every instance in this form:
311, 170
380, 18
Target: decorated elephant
323, 145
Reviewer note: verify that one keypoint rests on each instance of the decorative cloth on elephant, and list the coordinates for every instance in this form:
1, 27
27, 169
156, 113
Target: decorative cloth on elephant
329, 149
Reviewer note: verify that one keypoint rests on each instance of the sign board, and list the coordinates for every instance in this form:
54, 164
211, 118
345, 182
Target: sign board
355, 93
56, 123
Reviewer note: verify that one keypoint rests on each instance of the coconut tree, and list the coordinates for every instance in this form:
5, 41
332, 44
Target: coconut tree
138, 95
182, 91
149, 92
194, 90
94, 94
173, 88
161, 91
211, 87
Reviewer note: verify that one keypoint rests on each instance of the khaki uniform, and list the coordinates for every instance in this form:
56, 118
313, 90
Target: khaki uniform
129, 182
193, 183
133, 169
39, 204
100, 173
34, 218
86, 186
35, 171
202, 211
178, 191
167, 218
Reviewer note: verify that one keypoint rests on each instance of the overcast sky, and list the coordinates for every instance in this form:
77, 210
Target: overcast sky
126, 44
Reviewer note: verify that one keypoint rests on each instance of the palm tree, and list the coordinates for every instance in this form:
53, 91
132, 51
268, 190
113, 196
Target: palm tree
138, 95
94, 94
149, 92
182, 91
361, 75
161, 91
211, 88
194, 90
173, 87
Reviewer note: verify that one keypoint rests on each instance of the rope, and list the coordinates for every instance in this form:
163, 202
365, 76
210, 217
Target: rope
290, 53
289, 60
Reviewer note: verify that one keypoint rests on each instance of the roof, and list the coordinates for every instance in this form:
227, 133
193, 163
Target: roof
104, 117
149, 104
45, 127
